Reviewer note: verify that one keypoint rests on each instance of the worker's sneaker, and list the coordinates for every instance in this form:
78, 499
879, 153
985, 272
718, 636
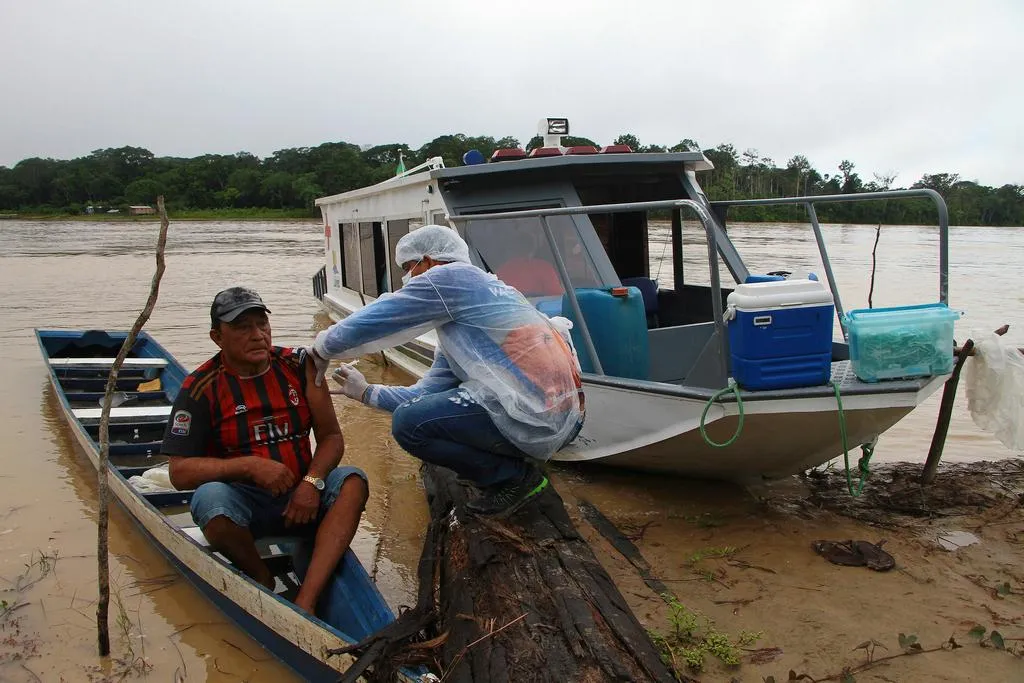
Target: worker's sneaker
502, 500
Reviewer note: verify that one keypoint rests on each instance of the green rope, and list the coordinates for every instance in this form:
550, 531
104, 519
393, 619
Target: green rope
868, 449
707, 406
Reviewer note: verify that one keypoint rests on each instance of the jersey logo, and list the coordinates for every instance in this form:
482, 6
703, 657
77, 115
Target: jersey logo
182, 423
293, 396
240, 408
270, 431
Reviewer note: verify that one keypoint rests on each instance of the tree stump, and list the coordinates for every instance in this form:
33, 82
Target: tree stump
525, 599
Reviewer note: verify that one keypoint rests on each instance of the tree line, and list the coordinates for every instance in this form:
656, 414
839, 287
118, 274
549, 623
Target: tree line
293, 178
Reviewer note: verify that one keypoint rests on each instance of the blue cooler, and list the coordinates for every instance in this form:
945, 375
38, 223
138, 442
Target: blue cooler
780, 334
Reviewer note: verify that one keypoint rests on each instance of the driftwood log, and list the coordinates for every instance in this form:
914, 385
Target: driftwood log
520, 600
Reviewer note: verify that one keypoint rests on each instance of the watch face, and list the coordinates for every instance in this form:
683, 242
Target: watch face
319, 484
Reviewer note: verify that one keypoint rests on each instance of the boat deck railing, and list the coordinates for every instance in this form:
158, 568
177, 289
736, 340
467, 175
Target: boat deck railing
808, 202
716, 346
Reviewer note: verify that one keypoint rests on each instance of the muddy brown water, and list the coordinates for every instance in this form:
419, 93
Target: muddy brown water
96, 275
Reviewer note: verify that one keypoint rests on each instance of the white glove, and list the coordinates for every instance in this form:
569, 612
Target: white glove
352, 382
320, 358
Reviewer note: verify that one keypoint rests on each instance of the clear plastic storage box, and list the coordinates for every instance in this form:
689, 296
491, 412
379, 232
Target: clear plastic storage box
901, 342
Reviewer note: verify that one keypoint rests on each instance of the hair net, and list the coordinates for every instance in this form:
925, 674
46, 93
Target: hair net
436, 241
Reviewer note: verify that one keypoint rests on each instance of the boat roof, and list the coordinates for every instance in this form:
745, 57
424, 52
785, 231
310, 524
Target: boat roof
692, 160
696, 160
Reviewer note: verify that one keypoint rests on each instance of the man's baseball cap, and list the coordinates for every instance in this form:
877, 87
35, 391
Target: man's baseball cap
233, 302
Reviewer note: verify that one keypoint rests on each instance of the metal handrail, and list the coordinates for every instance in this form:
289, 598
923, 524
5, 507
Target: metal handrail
709, 229
809, 201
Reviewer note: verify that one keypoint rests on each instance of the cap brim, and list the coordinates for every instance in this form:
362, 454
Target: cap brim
235, 312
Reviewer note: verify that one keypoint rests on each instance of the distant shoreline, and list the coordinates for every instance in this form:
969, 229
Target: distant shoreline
184, 215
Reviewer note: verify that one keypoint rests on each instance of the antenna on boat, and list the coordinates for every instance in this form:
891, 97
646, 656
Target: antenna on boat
552, 130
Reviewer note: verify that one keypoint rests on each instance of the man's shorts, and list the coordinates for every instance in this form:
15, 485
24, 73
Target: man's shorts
253, 507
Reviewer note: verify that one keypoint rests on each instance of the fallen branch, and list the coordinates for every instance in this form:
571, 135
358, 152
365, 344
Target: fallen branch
103, 605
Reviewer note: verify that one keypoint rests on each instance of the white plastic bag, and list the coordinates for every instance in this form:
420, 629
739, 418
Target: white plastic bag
995, 390
153, 480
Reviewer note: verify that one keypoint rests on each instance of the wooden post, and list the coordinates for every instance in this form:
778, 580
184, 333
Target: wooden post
103, 567
931, 465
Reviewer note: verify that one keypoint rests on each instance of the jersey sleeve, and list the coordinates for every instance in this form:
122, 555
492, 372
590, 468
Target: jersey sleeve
189, 430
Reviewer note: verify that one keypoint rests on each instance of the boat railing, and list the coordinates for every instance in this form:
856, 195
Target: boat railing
716, 351
320, 283
721, 208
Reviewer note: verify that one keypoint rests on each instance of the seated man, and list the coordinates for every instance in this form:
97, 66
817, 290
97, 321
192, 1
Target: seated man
239, 435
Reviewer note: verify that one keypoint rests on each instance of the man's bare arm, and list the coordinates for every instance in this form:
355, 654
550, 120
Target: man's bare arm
189, 472
330, 445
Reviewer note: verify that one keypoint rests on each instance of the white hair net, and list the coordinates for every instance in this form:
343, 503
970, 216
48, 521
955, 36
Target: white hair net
436, 241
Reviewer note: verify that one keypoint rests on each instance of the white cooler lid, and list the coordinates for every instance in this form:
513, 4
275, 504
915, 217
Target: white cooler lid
756, 296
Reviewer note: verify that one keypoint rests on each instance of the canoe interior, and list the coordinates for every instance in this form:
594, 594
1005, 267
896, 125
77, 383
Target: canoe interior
352, 606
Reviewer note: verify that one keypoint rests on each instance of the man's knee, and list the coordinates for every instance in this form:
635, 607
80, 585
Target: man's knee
216, 498
404, 424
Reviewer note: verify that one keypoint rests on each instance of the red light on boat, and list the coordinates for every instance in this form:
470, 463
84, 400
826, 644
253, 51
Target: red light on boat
616, 149
508, 154
545, 152
581, 149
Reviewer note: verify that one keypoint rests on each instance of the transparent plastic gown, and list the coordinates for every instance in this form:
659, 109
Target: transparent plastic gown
508, 356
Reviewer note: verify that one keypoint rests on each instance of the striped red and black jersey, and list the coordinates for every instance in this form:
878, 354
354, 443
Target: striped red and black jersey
220, 414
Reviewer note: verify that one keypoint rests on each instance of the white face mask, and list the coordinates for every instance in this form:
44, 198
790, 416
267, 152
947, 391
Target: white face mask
408, 276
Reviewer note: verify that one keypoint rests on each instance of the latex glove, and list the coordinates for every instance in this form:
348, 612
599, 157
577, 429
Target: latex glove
320, 358
353, 383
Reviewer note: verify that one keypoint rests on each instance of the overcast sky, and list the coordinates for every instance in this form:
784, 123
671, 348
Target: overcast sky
897, 87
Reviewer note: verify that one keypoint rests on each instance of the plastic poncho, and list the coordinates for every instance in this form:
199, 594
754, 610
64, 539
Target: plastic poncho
509, 357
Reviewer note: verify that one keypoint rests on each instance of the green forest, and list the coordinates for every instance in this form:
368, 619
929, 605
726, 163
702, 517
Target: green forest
288, 181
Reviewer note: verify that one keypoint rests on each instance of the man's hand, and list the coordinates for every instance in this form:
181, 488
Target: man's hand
353, 383
319, 356
271, 475
303, 505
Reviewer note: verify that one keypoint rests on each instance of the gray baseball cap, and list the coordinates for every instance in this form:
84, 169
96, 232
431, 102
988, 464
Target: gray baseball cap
233, 302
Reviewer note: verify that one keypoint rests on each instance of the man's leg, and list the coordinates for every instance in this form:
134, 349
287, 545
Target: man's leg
223, 513
341, 505
451, 430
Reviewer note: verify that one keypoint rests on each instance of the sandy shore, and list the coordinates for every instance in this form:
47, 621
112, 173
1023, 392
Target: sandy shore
737, 566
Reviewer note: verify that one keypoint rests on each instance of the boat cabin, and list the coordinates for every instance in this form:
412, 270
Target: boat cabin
633, 225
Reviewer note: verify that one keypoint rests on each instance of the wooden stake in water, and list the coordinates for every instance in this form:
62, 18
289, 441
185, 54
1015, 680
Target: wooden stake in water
103, 603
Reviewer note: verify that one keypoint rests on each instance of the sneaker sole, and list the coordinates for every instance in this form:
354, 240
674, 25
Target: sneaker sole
512, 509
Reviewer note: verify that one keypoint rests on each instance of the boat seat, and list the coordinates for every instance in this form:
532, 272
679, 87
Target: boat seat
107, 362
132, 413
649, 291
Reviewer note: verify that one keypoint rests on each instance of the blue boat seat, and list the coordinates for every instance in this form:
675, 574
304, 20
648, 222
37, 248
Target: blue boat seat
649, 291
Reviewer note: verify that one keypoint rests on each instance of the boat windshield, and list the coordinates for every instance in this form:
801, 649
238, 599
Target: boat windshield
518, 252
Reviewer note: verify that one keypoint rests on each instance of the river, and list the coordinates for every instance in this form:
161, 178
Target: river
96, 275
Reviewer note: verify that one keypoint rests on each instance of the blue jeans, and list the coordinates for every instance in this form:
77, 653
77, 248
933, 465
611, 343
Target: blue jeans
452, 430
253, 507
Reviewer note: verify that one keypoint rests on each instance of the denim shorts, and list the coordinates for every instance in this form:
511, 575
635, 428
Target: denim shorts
253, 507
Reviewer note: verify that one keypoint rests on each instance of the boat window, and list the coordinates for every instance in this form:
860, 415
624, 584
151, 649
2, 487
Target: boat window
517, 251
396, 230
349, 236
439, 218
373, 259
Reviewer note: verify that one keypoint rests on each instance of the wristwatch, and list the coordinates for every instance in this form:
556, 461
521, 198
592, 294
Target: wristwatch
317, 482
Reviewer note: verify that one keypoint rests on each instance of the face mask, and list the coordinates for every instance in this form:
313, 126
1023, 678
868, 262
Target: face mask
408, 276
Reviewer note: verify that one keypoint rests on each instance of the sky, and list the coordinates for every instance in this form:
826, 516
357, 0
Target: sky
905, 88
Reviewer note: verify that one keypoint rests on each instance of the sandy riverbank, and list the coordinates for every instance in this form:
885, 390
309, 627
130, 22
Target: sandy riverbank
738, 565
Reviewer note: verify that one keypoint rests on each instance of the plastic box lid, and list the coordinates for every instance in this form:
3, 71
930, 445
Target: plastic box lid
759, 296
900, 315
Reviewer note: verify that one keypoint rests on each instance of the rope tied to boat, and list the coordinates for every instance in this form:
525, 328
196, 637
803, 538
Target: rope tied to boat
867, 449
